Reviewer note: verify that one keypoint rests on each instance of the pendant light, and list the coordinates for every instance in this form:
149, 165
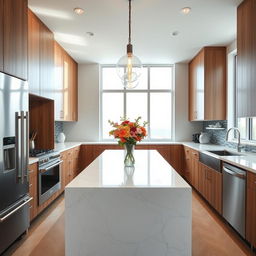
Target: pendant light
129, 66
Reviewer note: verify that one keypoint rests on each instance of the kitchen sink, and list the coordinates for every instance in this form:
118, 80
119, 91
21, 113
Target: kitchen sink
223, 153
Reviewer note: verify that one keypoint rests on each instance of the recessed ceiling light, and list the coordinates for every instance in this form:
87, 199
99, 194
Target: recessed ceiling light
78, 10
175, 33
90, 33
186, 10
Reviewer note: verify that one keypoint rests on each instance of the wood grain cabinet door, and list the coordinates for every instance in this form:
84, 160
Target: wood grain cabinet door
15, 36
70, 88
212, 187
196, 87
187, 164
59, 92
246, 59
33, 53
251, 209
215, 83
33, 188
46, 62
195, 169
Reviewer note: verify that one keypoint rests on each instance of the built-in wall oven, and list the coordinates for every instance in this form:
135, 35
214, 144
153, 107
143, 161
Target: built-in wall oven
49, 180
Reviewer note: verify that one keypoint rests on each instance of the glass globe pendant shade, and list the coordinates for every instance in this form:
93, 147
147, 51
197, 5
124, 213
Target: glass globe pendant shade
129, 69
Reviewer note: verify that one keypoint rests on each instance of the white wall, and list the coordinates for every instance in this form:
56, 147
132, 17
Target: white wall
183, 128
87, 128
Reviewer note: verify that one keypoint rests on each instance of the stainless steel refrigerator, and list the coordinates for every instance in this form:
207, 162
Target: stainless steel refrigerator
14, 153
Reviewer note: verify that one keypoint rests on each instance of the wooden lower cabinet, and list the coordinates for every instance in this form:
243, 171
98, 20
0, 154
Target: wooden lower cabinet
194, 169
33, 188
187, 164
89, 153
251, 209
70, 165
210, 186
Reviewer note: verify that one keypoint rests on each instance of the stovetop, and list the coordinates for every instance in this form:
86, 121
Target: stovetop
39, 152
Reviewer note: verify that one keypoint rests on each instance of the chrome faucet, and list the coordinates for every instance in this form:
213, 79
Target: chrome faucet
238, 139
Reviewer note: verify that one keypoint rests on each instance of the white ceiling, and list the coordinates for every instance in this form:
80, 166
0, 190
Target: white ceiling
211, 22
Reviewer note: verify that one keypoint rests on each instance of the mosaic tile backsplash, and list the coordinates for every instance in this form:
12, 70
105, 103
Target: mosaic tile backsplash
58, 129
217, 136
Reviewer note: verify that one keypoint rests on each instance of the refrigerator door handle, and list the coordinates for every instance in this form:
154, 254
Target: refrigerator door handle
17, 144
22, 146
26, 201
27, 147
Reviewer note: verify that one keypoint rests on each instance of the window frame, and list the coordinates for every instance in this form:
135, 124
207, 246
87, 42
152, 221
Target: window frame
148, 91
249, 122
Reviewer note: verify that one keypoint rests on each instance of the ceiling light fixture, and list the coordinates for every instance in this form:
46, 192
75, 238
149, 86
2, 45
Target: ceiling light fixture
186, 10
175, 33
129, 66
90, 33
78, 10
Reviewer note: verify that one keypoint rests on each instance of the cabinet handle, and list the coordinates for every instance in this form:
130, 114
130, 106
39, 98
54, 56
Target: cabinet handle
30, 185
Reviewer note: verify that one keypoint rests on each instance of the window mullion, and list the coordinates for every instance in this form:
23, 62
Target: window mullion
249, 129
148, 94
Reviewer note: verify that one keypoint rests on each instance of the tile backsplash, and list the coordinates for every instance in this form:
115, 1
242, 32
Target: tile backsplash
58, 129
217, 136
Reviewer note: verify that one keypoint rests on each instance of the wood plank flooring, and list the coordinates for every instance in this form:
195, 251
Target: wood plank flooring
211, 236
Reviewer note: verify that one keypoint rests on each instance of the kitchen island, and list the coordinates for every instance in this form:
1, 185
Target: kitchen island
115, 211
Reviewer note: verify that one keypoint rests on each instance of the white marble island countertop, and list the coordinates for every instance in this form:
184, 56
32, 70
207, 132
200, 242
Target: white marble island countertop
111, 213
151, 170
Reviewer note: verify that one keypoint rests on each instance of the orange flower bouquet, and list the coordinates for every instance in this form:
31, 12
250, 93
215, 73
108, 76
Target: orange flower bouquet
128, 134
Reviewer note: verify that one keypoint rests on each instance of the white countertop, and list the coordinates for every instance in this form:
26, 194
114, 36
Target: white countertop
66, 146
151, 170
247, 160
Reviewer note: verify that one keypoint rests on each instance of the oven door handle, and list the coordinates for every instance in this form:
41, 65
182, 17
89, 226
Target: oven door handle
50, 167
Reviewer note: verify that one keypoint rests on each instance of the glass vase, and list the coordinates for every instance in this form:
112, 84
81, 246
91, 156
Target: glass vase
129, 158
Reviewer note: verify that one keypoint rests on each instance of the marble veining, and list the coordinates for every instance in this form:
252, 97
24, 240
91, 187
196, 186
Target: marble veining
105, 217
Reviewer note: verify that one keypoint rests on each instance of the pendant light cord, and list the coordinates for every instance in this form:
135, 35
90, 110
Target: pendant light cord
130, 10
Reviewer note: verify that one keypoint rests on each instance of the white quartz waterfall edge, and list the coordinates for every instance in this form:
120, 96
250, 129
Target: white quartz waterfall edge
148, 217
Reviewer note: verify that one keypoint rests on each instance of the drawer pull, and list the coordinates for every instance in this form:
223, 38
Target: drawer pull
30, 185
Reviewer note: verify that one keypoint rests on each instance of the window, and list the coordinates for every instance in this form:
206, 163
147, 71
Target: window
152, 99
246, 125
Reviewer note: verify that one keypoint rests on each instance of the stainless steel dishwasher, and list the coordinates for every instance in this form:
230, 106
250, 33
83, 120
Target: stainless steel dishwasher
234, 197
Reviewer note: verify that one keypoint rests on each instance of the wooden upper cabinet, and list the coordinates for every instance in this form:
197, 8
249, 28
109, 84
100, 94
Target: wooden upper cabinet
246, 59
196, 87
15, 37
46, 62
52, 72
58, 82
33, 53
70, 88
207, 85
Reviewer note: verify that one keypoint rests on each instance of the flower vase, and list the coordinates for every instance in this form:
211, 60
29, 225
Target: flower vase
129, 158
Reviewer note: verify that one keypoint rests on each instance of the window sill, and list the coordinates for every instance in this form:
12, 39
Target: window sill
244, 142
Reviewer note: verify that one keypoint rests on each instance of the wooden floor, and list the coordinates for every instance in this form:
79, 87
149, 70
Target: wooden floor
211, 236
